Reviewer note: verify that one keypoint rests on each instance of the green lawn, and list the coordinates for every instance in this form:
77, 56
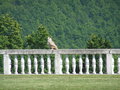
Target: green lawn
59, 82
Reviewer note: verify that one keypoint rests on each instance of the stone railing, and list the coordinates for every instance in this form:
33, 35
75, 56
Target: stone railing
62, 61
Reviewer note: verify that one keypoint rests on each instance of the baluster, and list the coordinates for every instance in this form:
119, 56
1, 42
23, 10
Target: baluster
29, 65
119, 65
16, 64
67, 64
35, 64
22, 64
49, 64
61, 65
42, 64
100, 64
94, 64
74, 64
80, 64
112, 65
87, 64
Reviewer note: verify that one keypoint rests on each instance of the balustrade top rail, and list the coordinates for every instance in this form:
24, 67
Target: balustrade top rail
60, 51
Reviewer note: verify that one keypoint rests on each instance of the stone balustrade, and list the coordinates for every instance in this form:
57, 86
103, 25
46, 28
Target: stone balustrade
62, 61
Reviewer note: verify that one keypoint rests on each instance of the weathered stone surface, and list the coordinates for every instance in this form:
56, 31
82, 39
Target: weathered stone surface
60, 51
58, 60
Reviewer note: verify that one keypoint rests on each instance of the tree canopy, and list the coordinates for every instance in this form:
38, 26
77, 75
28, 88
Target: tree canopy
38, 39
96, 41
10, 33
69, 22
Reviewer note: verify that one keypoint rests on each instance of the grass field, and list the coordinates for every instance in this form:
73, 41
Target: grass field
59, 82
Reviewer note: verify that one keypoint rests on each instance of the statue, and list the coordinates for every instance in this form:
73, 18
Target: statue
51, 44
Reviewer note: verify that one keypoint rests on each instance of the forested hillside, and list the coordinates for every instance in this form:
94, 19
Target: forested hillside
69, 22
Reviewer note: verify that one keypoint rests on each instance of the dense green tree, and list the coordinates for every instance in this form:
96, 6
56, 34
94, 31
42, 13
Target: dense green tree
98, 42
38, 39
70, 22
10, 33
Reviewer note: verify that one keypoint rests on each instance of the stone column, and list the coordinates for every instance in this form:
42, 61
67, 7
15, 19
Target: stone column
58, 69
7, 64
109, 63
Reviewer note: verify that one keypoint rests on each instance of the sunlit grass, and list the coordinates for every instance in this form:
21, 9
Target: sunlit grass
59, 82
